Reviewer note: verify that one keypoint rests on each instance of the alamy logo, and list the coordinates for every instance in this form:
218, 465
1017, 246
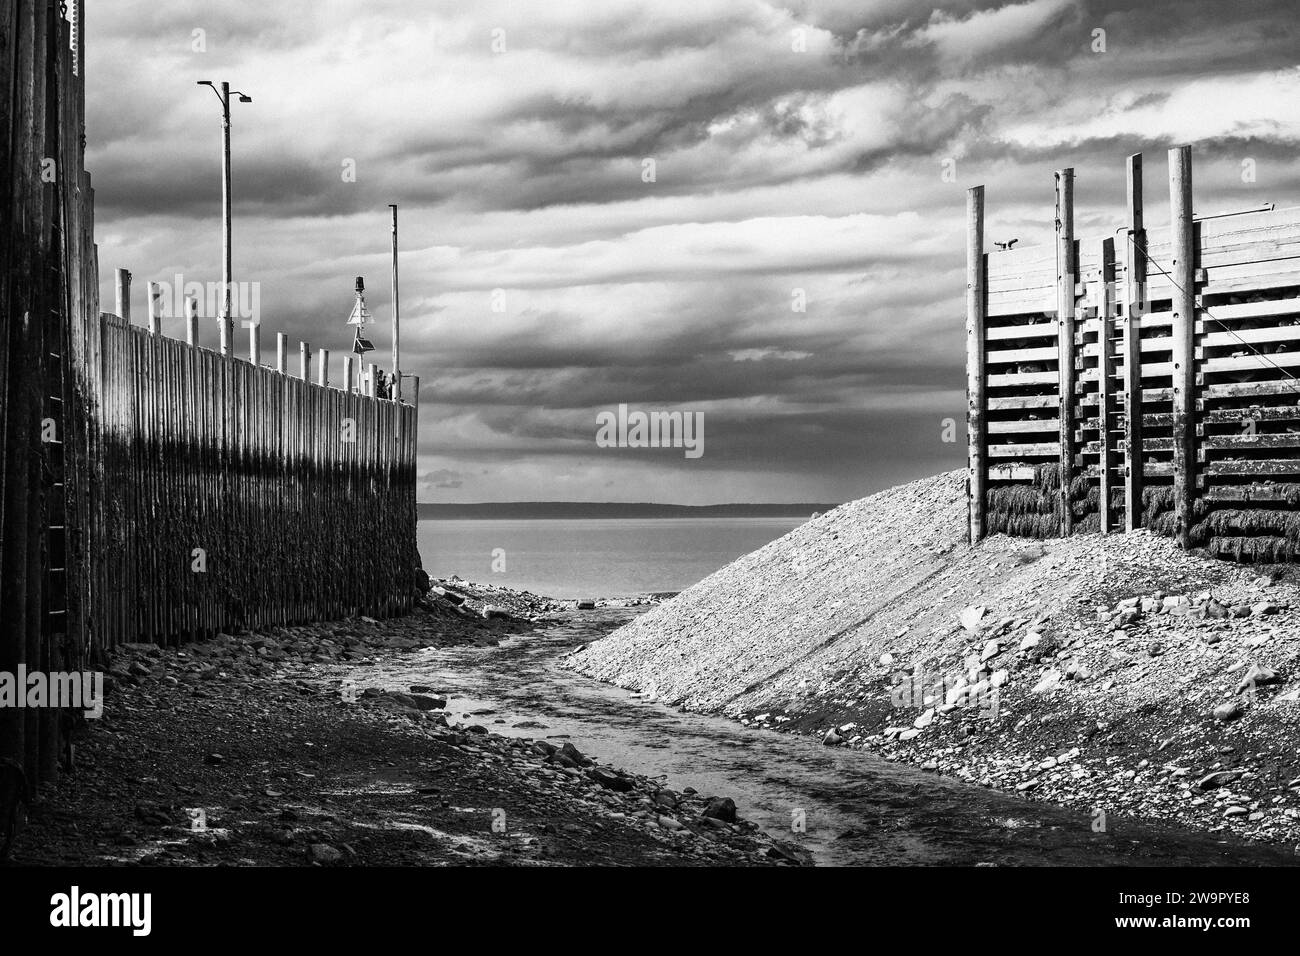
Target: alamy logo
638, 429
75, 909
76, 690
245, 299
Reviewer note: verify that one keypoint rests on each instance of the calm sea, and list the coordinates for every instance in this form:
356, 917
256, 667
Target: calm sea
589, 558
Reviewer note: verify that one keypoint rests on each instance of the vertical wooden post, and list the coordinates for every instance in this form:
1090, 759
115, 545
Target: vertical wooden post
372, 375
1182, 269
225, 329
323, 367
255, 343
1106, 384
122, 286
304, 361
976, 307
348, 383
1066, 277
155, 294
191, 321
281, 352
1135, 296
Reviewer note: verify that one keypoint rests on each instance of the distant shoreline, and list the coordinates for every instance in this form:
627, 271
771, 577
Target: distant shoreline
559, 510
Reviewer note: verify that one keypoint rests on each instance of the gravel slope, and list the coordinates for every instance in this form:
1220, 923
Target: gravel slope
1110, 655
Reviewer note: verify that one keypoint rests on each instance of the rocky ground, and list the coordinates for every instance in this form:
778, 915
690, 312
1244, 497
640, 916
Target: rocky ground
1112, 673
232, 752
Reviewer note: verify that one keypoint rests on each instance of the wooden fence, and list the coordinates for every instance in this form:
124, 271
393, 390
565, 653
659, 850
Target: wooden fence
1139, 379
236, 496
48, 277
154, 490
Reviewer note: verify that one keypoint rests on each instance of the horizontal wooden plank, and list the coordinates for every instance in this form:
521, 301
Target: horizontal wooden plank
1269, 308
1012, 402
1022, 355
1271, 280
1260, 363
1034, 330
1036, 450
1274, 466
1002, 306
1233, 416
1236, 442
1010, 428
1251, 389
1022, 378
1241, 337
1260, 492
1011, 473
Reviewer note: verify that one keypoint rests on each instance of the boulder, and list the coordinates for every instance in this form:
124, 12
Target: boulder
611, 780
1229, 711
720, 808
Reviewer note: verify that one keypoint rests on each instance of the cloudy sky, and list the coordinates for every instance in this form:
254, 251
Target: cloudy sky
798, 148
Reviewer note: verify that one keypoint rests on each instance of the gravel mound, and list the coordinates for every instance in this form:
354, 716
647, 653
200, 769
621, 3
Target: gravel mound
1100, 670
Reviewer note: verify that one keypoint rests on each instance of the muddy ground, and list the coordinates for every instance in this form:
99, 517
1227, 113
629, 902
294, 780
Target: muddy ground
230, 753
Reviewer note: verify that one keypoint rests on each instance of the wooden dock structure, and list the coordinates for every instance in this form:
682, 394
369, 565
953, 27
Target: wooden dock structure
1142, 379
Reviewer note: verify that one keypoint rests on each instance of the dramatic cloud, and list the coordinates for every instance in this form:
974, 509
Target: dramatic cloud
752, 209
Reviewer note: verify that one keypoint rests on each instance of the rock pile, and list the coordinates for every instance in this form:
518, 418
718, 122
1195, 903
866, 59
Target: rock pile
1108, 671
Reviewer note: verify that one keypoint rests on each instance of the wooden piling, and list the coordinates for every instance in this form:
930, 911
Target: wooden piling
255, 343
1135, 297
304, 361
155, 295
323, 367
1183, 278
1066, 278
191, 321
1106, 382
348, 384
976, 420
122, 287
281, 352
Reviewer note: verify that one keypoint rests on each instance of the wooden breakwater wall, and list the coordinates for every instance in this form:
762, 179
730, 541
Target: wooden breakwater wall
1146, 378
152, 489
236, 495
48, 318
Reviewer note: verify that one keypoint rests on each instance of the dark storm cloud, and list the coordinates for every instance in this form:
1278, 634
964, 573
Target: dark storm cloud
800, 150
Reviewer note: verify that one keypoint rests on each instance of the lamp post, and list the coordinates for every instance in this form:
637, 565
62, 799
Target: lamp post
223, 94
397, 368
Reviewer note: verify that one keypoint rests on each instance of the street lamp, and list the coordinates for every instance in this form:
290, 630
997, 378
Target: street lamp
223, 94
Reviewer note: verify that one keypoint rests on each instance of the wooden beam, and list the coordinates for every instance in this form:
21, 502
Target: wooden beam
323, 367
155, 295
976, 402
1034, 330
281, 352
1182, 269
1015, 402
1036, 450
1276, 466
1066, 277
1134, 306
122, 288
1106, 386
1009, 428
304, 361
191, 321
